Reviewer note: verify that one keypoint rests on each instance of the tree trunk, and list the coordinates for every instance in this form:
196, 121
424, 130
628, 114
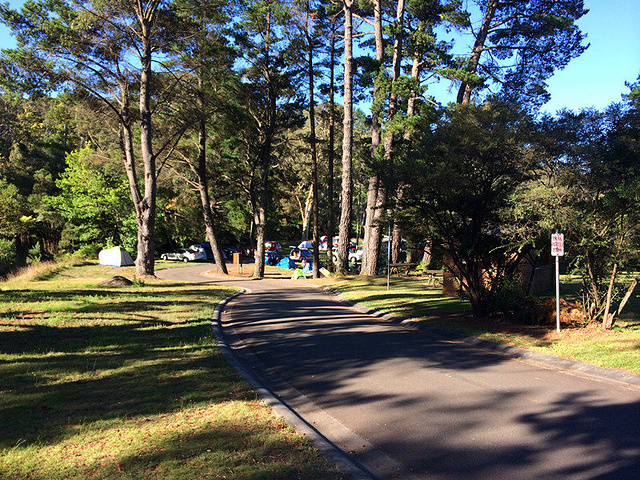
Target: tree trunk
372, 229
331, 153
393, 108
264, 158
260, 213
314, 160
260, 222
347, 142
203, 188
426, 253
607, 319
307, 213
625, 299
147, 209
464, 93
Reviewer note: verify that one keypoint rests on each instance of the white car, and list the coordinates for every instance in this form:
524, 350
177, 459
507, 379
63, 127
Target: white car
355, 256
184, 255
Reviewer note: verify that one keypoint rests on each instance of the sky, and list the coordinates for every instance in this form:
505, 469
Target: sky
596, 78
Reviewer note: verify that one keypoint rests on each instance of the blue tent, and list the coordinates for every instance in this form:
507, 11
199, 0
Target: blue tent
286, 263
308, 268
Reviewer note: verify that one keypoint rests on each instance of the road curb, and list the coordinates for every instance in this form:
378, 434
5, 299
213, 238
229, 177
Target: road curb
334, 453
499, 348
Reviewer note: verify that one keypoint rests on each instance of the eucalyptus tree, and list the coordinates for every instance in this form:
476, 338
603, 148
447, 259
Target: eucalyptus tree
111, 51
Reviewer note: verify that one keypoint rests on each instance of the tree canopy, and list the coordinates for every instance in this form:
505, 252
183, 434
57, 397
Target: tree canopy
220, 120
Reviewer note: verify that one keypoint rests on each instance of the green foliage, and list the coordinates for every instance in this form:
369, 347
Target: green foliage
95, 202
463, 171
8, 254
586, 185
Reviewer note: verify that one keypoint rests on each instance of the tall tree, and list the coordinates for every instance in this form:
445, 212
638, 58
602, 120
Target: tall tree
270, 74
519, 44
376, 192
310, 34
347, 143
208, 63
329, 20
108, 50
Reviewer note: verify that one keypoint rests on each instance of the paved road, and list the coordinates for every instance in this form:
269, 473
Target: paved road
441, 408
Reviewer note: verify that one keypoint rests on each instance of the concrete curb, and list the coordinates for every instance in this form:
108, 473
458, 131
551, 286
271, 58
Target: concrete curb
499, 348
303, 415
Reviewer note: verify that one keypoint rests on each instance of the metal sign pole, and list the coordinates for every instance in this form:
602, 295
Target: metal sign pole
557, 250
388, 256
558, 293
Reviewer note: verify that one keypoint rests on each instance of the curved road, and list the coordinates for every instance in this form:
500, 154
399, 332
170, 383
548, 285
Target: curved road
439, 408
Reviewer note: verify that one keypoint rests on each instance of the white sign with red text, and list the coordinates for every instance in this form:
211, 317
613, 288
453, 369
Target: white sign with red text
557, 244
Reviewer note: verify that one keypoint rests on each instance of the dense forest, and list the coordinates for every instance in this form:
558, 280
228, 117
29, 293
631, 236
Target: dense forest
153, 124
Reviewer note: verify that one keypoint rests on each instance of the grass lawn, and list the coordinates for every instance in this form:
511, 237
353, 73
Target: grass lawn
410, 297
102, 382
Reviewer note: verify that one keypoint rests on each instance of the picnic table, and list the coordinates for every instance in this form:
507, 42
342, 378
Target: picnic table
397, 267
432, 276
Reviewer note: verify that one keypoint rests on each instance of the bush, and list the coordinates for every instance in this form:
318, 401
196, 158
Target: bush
8, 255
509, 300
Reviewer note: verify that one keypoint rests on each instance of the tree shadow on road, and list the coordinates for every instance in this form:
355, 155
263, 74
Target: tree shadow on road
445, 408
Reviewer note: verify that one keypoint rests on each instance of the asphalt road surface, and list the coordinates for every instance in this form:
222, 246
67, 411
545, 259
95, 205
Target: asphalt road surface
440, 408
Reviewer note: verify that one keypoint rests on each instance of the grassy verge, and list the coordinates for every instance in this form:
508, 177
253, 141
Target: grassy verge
102, 382
409, 297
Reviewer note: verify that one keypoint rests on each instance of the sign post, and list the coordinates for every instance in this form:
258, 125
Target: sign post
557, 250
237, 260
388, 256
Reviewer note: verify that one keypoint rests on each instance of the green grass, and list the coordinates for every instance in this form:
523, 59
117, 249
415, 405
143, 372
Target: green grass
409, 297
127, 382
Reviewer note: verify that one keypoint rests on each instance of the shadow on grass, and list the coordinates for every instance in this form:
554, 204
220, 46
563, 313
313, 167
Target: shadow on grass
120, 357
89, 300
105, 372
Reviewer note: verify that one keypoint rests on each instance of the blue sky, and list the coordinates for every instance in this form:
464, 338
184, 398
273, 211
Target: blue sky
596, 78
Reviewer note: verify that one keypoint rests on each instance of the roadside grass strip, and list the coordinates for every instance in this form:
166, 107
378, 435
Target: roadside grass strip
102, 382
410, 297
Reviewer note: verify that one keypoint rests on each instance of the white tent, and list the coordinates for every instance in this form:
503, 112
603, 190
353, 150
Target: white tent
306, 244
115, 257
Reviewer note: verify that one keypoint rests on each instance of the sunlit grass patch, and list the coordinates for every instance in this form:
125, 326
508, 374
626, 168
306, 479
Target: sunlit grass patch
128, 382
410, 297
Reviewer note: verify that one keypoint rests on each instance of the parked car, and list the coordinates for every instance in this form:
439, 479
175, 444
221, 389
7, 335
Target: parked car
297, 254
183, 255
355, 254
272, 246
203, 251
